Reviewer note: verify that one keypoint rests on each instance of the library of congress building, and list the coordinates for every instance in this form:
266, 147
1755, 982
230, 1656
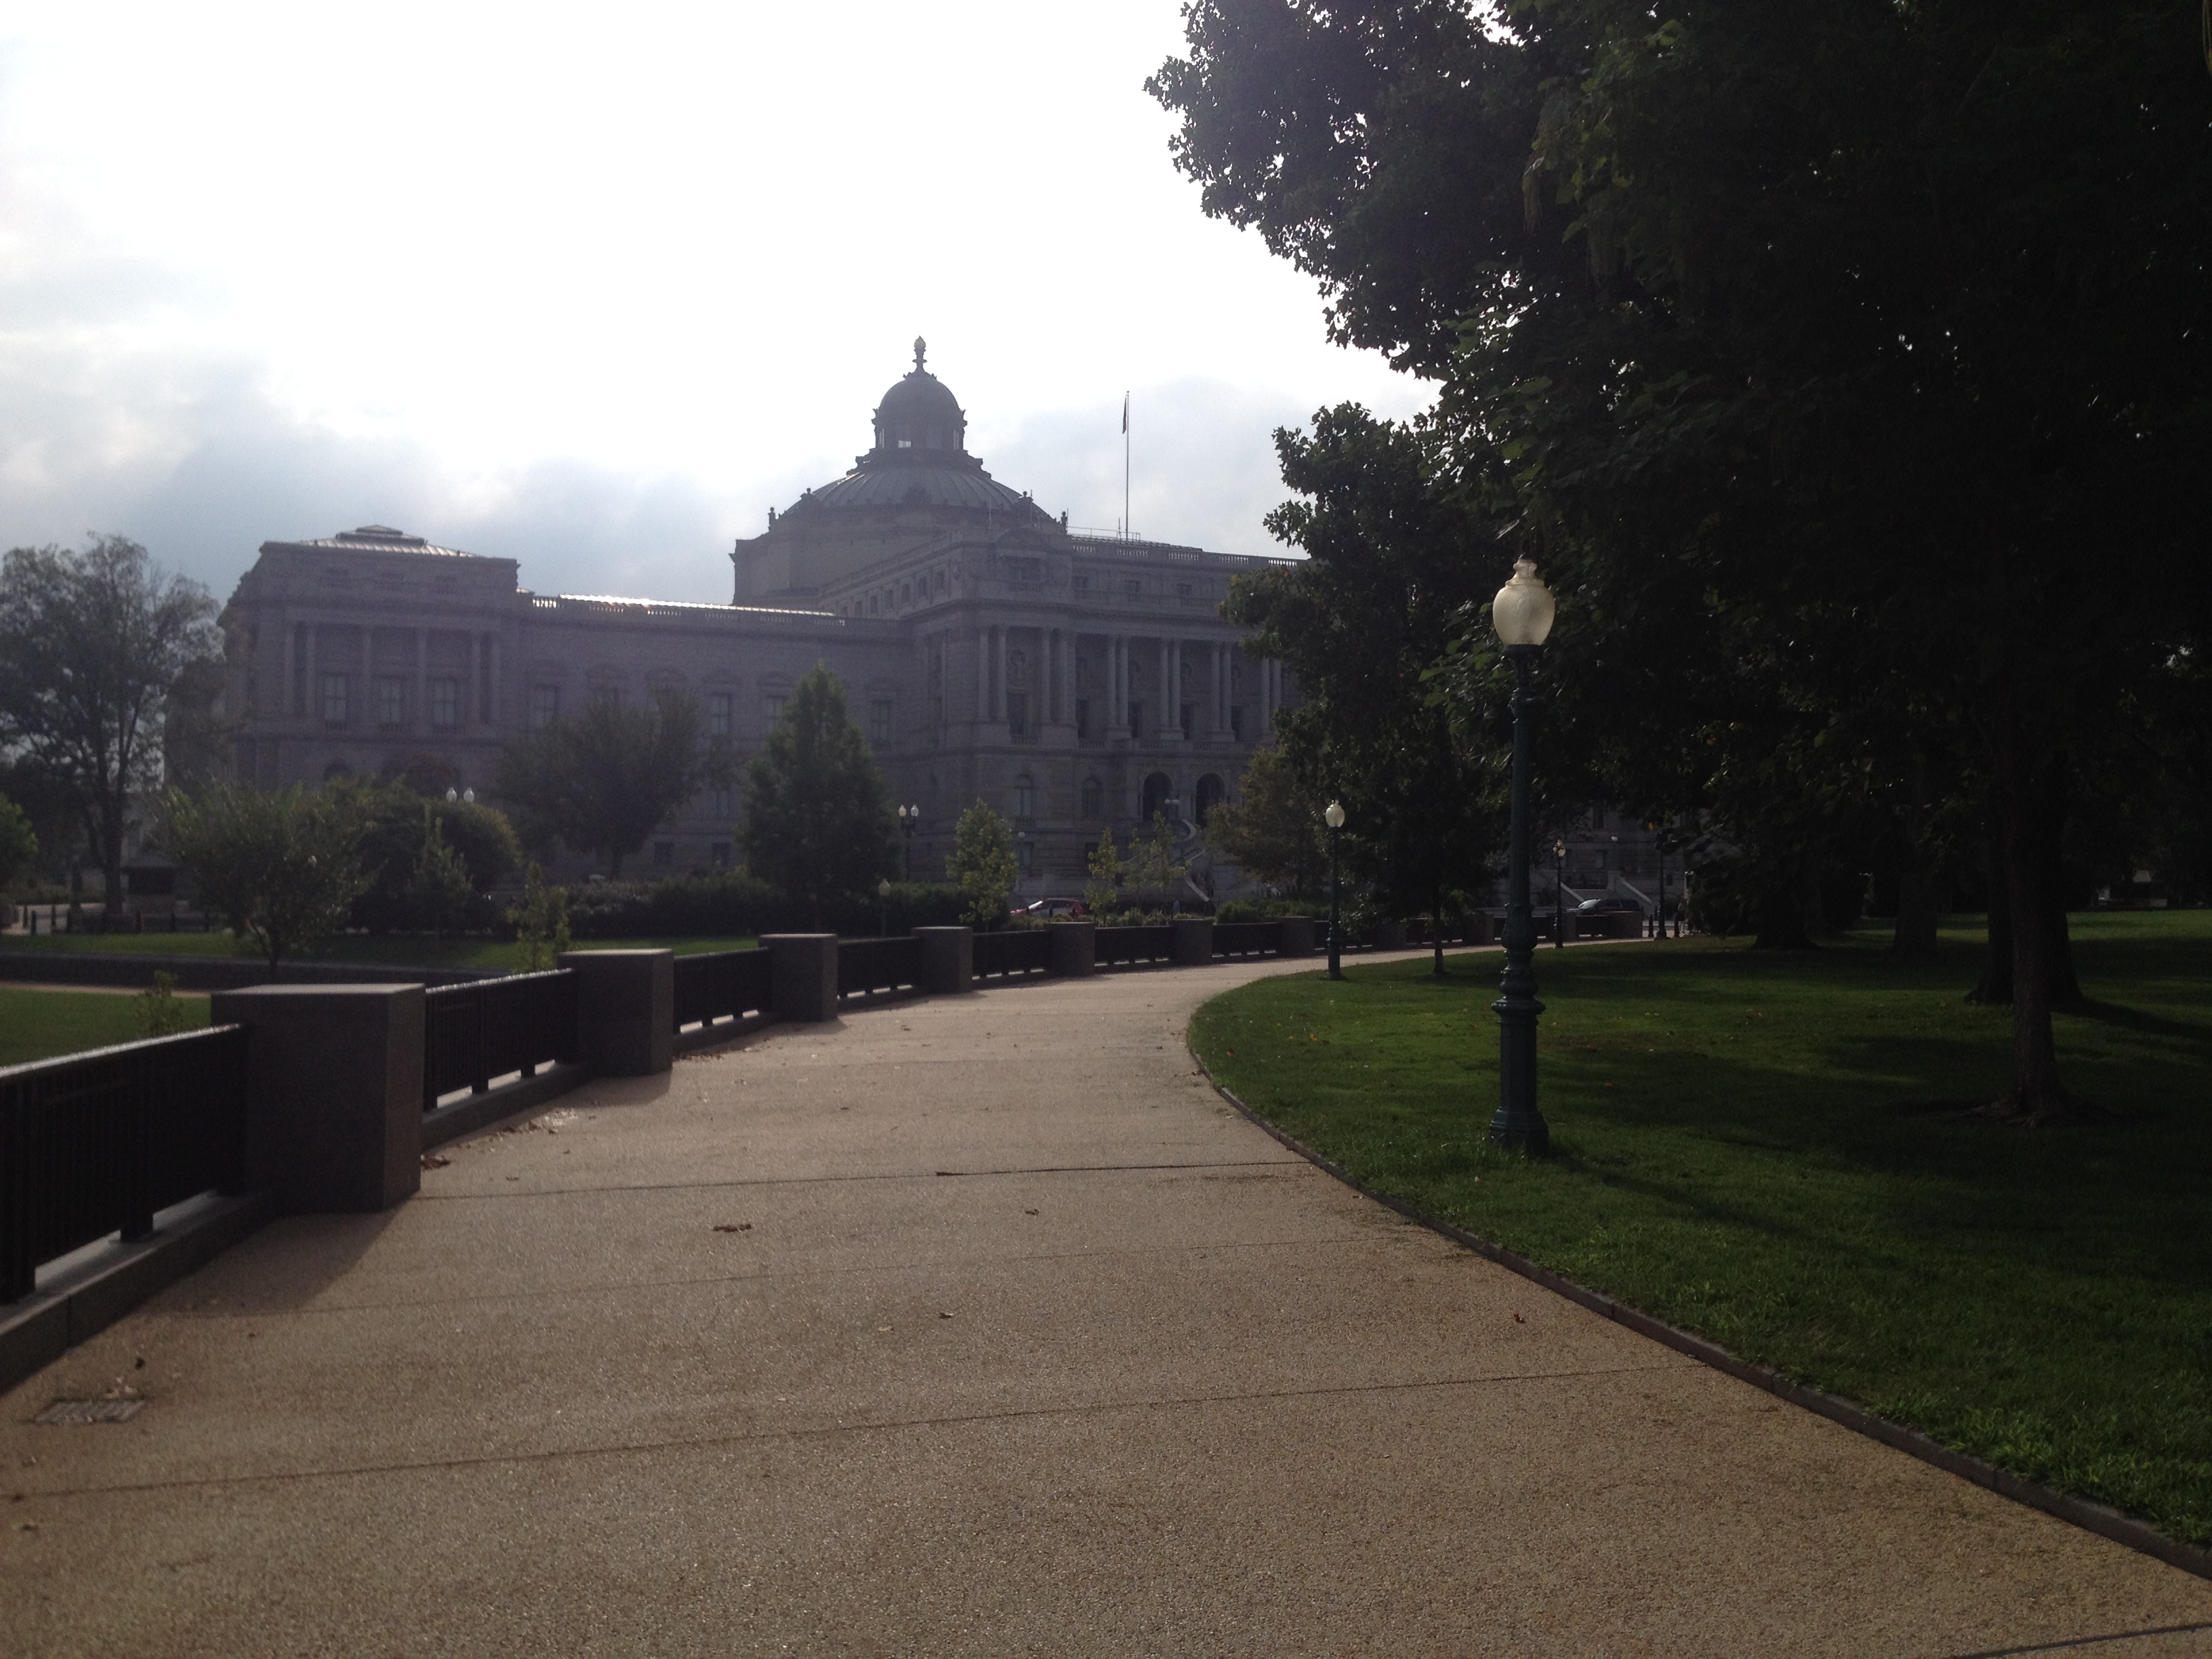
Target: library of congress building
1078, 682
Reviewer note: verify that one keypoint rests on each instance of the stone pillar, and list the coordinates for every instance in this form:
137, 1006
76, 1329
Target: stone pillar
982, 673
419, 718
334, 1092
1166, 718
803, 970
948, 959
314, 709
625, 1010
1194, 941
1117, 713
1074, 948
999, 673
1218, 716
1298, 936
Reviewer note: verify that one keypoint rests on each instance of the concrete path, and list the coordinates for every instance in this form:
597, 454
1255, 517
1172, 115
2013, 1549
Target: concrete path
975, 1326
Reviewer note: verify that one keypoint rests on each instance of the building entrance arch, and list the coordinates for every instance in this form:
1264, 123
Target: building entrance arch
1211, 793
1157, 789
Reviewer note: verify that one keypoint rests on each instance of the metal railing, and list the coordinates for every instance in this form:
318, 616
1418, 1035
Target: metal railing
878, 964
1122, 947
715, 984
1004, 956
1248, 939
474, 1033
94, 1143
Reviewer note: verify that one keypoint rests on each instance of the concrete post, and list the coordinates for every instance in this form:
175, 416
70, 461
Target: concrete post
334, 1092
1074, 948
803, 972
1194, 941
625, 1010
948, 959
1298, 936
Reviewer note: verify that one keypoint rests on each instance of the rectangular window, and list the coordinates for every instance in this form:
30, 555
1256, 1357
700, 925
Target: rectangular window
1237, 721
1136, 717
1081, 581
720, 803
1024, 853
1132, 587
1189, 717
1083, 717
718, 854
1024, 800
879, 721
445, 702
771, 709
664, 855
1018, 714
718, 706
300, 668
334, 700
1182, 590
391, 699
544, 706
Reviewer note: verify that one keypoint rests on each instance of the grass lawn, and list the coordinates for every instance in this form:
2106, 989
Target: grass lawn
411, 950
36, 1025
1769, 1150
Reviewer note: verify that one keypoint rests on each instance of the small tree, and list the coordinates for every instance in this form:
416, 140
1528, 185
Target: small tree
1151, 865
983, 865
599, 782
91, 646
1275, 833
541, 923
280, 869
19, 843
1103, 892
438, 887
819, 817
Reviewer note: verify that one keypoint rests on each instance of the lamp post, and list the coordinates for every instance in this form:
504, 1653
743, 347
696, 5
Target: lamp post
1559, 894
1335, 818
909, 821
1521, 613
884, 907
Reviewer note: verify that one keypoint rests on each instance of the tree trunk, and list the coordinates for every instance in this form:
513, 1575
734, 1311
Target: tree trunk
1781, 909
1437, 931
1916, 885
2037, 1097
1995, 986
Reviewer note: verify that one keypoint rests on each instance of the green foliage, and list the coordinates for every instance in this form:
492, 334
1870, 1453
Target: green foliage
1275, 833
819, 822
600, 781
540, 922
439, 886
983, 865
91, 646
281, 869
1781, 1154
161, 1012
1102, 891
397, 825
739, 904
19, 843
41, 1025
1151, 866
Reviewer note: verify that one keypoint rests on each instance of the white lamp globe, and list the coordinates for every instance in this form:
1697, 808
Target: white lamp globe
1334, 816
1524, 609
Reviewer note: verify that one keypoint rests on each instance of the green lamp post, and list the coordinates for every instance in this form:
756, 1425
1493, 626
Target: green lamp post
1521, 613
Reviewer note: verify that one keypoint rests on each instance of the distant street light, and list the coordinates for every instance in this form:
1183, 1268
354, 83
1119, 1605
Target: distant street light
909, 821
1335, 818
1521, 613
1559, 894
884, 907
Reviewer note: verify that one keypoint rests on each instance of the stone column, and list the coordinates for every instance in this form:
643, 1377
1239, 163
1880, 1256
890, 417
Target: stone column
803, 970
998, 663
1194, 941
982, 673
419, 716
1074, 948
1117, 682
947, 959
1166, 720
1218, 716
625, 1010
314, 709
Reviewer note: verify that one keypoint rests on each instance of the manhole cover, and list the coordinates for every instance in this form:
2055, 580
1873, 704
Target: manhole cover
90, 1410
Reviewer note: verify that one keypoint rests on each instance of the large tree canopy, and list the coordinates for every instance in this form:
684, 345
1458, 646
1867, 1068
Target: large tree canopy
602, 780
1851, 358
819, 818
92, 646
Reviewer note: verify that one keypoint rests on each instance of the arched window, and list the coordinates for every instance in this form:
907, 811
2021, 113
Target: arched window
1094, 799
1156, 790
1025, 797
1210, 793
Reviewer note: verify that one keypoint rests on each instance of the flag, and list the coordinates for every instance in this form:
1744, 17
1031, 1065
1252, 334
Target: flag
1125, 412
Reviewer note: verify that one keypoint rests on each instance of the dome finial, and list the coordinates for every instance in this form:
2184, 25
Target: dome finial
921, 346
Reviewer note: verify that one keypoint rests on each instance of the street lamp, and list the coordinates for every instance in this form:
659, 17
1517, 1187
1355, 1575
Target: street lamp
884, 907
909, 821
1335, 818
1521, 613
1559, 894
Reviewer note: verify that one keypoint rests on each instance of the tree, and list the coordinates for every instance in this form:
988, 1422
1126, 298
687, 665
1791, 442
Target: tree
281, 868
1273, 830
1101, 893
19, 843
397, 827
819, 822
92, 646
439, 885
1820, 350
601, 781
983, 865
1151, 865
540, 922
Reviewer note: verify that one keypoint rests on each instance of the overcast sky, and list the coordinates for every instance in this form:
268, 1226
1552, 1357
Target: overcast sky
594, 288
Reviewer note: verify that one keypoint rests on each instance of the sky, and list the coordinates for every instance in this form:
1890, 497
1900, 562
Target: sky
594, 288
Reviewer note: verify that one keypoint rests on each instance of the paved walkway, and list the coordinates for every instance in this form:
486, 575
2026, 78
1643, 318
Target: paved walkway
976, 1326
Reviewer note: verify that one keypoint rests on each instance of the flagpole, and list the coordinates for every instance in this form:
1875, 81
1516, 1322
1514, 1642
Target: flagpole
1125, 466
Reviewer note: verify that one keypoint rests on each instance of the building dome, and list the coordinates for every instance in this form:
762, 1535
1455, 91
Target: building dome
919, 417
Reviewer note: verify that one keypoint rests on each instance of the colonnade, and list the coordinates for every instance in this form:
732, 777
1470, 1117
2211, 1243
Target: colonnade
1208, 685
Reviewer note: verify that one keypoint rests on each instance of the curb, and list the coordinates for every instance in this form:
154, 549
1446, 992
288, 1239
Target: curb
2099, 1518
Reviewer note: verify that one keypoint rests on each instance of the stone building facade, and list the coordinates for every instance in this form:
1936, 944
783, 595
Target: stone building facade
1079, 682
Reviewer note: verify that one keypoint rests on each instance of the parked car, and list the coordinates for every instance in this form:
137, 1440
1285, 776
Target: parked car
1611, 902
1046, 909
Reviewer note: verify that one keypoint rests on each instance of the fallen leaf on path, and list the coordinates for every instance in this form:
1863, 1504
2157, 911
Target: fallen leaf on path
945, 1315
733, 1226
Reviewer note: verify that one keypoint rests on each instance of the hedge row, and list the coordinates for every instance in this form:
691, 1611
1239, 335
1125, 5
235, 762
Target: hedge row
739, 904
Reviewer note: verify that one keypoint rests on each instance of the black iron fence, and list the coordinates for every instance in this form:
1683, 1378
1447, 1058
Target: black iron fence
1010, 955
474, 1033
715, 984
1248, 939
94, 1143
878, 964
1122, 947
